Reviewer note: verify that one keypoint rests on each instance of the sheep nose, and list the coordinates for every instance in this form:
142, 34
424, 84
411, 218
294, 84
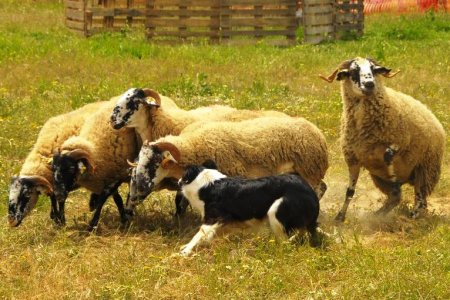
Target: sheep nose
369, 85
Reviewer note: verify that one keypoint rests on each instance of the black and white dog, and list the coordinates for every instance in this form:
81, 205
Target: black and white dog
287, 201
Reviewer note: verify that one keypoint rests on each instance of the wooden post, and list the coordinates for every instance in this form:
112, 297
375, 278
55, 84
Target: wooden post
215, 18
108, 22
130, 4
183, 15
258, 16
224, 22
318, 20
150, 30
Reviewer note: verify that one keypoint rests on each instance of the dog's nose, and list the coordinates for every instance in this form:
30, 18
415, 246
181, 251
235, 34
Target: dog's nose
180, 182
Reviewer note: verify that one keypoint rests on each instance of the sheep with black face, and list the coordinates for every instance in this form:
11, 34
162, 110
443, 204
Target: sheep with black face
392, 135
96, 159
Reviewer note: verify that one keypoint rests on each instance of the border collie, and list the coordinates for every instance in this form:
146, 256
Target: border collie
287, 201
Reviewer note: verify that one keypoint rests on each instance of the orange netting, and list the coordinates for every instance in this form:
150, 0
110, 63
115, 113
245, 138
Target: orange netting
400, 6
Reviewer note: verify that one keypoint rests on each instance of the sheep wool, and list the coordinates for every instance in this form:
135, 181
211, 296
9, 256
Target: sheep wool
51, 136
257, 147
392, 135
166, 118
108, 149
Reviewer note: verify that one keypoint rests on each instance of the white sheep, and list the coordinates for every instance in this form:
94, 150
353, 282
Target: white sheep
102, 153
36, 175
394, 136
251, 148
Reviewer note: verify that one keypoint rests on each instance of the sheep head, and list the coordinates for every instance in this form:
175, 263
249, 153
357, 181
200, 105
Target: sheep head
128, 110
23, 195
67, 167
361, 73
156, 162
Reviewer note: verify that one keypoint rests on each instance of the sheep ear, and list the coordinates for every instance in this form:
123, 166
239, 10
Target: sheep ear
386, 72
168, 162
379, 69
342, 74
337, 74
151, 103
41, 183
153, 94
173, 150
82, 156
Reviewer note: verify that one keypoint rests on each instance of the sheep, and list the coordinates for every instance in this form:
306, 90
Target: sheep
161, 117
394, 136
96, 159
252, 148
286, 200
36, 175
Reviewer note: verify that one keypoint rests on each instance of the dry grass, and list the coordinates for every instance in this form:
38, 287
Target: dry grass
46, 71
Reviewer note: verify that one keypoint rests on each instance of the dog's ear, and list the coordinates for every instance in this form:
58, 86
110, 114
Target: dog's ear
210, 164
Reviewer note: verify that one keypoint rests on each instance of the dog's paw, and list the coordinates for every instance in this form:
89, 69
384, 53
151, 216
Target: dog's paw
185, 252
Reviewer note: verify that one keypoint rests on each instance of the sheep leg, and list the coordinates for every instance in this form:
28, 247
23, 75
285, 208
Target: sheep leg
394, 197
205, 234
320, 189
119, 203
353, 179
108, 191
94, 221
54, 211
129, 213
420, 204
420, 200
181, 204
93, 202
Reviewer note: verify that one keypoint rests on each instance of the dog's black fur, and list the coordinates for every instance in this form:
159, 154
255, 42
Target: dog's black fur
233, 199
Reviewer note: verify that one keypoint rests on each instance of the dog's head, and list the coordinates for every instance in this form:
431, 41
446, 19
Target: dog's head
198, 177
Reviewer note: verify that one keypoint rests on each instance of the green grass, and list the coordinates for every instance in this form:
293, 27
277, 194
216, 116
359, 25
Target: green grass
47, 70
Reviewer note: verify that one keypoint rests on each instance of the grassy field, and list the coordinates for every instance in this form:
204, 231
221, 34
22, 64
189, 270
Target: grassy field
46, 70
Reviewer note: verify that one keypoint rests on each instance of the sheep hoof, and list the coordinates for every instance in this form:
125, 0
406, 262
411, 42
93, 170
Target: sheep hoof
340, 217
417, 213
92, 228
59, 220
126, 217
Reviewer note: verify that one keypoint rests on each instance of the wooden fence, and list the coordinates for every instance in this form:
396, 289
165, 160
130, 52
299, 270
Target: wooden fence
224, 21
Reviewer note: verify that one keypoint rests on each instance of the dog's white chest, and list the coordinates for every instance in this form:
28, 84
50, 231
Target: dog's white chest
192, 195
